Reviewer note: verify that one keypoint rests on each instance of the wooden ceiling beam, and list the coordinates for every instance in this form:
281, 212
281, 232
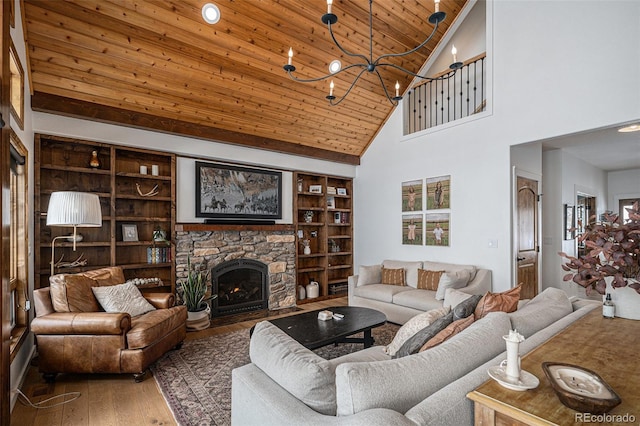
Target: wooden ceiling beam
70, 107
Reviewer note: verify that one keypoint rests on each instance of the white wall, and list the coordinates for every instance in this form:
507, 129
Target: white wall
547, 72
623, 185
568, 176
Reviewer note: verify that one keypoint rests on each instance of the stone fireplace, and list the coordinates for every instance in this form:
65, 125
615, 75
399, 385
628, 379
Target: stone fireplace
226, 247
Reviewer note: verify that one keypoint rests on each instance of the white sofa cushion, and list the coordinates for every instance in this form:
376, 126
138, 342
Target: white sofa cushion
380, 292
453, 279
301, 372
402, 383
541, 311
412, 326
370, 274
453, 297
450, 267
422, 300
411, 270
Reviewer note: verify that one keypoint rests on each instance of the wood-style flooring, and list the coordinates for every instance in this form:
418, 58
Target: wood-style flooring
114, 399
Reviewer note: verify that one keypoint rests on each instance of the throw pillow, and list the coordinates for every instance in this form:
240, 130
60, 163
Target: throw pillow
412, 326
450, 331
507, 301
466, 308
72, 293
454, 279
393, 276
453, 297
369, 275
414, 343
428, 280
122, 298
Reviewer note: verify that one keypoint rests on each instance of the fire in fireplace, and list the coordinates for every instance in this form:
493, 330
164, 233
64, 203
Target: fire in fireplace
241, 285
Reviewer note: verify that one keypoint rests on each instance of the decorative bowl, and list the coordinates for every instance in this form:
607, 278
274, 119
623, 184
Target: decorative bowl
580, 389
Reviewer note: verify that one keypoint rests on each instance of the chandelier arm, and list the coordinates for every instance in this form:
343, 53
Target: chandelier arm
324, 77
346, 52
395, 103
398, 67
415, 49
331, 102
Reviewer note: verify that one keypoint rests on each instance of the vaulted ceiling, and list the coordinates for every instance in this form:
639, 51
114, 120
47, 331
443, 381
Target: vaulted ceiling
158, 65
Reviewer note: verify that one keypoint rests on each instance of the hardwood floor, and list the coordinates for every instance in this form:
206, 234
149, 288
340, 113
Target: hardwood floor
114, 399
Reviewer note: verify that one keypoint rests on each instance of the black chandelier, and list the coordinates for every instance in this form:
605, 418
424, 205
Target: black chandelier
369, 64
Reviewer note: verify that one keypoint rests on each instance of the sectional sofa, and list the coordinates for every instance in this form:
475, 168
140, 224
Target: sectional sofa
401, 302
287, 384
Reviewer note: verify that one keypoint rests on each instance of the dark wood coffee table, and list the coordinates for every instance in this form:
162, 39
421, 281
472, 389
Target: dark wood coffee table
314, 333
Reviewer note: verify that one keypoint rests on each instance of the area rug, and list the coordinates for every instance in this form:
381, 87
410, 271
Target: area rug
196, 380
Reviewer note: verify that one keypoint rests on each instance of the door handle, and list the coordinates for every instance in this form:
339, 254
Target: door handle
520, 258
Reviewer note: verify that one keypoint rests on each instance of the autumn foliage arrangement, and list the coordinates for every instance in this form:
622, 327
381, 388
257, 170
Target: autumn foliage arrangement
613, 250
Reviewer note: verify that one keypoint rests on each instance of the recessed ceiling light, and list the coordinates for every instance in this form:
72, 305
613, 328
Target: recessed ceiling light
631, 128
335, 66
210, 13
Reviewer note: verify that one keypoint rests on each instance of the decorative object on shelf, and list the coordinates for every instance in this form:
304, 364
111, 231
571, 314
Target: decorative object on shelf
80, 261
72, 209
580, 389
129, 232
368, 64
152, 193
331, 190
308, 216
333, 246
300, 185
331, 202
302, 292
316, 189
612, 262
145, 281
337, 217
143, 170
341, 191
237, 192
94, 162
160, 235
155, 170
306, 244
313, 289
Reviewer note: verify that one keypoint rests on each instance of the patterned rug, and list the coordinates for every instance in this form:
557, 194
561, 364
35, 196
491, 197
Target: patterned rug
196, 380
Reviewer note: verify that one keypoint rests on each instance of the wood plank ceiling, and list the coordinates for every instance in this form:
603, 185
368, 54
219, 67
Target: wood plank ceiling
158, 65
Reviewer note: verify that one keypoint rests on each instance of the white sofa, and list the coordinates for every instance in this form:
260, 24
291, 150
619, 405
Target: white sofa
287, 384
400, 303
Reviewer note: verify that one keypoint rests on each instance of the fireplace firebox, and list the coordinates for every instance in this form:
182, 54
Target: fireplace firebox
241, 286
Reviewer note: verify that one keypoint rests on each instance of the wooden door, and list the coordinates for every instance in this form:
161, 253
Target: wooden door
527, 236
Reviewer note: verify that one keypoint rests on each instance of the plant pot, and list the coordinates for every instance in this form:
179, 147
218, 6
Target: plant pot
198, 315
625, 299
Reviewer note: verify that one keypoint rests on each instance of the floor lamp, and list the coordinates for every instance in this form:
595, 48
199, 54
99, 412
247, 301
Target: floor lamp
72, 209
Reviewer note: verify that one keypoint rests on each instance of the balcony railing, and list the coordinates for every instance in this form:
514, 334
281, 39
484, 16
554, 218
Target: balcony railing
433, 103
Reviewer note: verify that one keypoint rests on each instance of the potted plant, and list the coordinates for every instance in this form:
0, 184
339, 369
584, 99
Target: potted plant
612, 262
194, 291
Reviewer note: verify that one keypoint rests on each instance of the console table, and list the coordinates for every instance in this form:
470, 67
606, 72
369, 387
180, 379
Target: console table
609, 347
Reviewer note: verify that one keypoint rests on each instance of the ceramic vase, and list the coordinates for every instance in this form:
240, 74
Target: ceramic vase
625, 299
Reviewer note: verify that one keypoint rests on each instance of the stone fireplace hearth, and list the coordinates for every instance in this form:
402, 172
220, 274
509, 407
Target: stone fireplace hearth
273, 245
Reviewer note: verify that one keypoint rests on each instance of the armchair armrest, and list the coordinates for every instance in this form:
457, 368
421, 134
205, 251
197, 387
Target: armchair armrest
82, 323
161, 300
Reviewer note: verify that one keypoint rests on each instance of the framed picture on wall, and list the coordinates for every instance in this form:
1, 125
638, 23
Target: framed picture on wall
569, 223
412, 195
412, 229
228, 192
437, 229
439, 192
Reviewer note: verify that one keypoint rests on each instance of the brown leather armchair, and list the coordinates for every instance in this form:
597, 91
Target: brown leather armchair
74, 334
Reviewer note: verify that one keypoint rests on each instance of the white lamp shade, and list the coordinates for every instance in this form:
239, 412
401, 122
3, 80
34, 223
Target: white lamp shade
77, 209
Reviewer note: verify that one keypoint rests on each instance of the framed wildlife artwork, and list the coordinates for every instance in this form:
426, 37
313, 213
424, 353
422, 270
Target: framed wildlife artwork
228, 192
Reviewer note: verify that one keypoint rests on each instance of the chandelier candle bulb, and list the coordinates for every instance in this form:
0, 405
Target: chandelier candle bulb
329, 3
454, 52
437, 5
331, 86
397, 89
290, 56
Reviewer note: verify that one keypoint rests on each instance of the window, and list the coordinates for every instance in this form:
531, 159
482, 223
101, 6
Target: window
18, 269
624, 205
